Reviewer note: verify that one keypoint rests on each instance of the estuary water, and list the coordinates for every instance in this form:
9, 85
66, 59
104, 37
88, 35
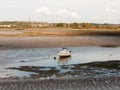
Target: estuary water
44, 57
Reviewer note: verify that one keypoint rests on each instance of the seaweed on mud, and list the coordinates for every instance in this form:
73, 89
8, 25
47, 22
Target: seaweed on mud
87, 69
37, 70
44, 73
105, 64
100, 64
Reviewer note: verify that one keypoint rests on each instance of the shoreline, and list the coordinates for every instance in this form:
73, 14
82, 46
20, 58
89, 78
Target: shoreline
97, 81
58, 32
111, 83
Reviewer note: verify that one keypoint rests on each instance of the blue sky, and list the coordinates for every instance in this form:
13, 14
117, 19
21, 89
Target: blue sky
98, 11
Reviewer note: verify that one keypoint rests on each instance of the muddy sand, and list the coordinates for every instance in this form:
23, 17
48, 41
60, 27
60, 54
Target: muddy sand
111, 83
56, 41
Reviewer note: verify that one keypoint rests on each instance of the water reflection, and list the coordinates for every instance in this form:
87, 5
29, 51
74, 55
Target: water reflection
64, 61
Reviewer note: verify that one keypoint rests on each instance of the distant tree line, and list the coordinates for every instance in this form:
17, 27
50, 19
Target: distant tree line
88, 25
23, 25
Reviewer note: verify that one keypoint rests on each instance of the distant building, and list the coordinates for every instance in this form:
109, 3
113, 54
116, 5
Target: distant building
39, 25
5, 26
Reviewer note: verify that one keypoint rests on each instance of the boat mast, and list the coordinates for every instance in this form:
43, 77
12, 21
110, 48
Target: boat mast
63, 41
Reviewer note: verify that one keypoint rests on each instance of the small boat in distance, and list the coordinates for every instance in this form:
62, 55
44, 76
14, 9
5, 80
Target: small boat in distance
64, 53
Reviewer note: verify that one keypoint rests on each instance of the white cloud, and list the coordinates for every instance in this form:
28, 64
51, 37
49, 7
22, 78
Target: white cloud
67, 14
75, 15
107, 9
62, 13
43, 10
110, 13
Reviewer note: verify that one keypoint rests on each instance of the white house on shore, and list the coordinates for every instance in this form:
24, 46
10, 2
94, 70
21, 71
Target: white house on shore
5, 26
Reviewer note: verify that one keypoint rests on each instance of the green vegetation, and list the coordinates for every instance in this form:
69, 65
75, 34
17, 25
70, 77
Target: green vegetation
23, 25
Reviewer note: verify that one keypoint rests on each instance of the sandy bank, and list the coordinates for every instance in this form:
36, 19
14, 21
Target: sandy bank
56, 41
57, 32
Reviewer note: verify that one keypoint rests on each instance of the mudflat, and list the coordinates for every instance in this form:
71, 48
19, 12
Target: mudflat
56, 41
54, 38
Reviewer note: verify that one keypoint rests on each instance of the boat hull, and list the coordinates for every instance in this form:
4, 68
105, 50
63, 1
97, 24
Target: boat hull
64, 56
64, 53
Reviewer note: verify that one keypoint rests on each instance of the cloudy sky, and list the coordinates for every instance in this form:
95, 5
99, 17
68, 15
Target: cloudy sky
99, 11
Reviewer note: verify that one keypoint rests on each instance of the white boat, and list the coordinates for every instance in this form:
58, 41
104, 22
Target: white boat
64, 53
